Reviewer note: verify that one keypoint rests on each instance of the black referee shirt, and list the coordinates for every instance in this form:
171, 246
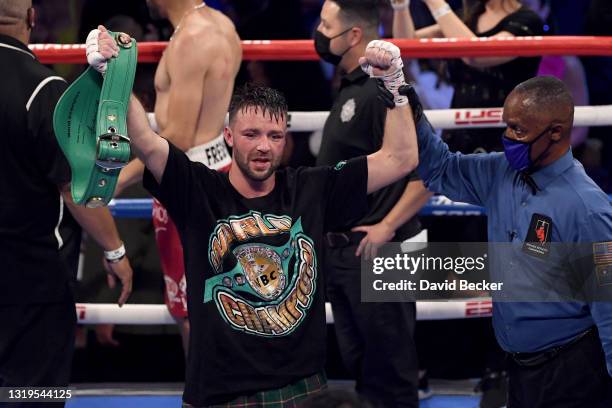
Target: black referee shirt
355, 127
32, 168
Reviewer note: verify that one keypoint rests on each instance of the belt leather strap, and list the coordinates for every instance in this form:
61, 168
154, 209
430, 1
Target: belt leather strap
90, 123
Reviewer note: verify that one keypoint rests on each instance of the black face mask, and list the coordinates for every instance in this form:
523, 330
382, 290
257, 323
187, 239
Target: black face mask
321, 43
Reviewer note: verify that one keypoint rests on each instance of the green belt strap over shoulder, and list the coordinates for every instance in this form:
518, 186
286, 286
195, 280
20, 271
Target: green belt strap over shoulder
90, 123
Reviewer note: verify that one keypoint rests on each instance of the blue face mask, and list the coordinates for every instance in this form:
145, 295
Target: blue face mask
518, 153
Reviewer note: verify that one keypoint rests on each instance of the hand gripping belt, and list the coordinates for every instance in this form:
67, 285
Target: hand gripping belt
90, 125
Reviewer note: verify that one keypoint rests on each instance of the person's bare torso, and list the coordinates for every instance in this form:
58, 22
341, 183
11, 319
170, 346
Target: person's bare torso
209, 25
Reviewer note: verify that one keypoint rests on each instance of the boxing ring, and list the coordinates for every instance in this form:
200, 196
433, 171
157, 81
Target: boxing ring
303, 50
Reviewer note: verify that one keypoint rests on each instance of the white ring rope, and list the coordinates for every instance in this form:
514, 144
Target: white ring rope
107, 313
461, 118
448, 118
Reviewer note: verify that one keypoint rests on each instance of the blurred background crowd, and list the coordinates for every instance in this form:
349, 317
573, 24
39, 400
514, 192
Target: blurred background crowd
69, 22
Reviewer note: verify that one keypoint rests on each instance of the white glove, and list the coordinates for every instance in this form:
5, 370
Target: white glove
382, 60
99, 48
399, 5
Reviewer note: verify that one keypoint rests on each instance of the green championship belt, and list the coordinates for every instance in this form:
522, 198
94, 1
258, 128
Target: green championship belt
90, 125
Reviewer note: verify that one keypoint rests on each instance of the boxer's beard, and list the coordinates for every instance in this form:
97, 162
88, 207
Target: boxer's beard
243, 163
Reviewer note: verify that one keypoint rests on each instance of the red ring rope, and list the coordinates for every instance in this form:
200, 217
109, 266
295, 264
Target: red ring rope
303, 50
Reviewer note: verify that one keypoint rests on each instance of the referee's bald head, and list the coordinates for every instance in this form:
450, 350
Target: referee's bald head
546, 100
17, 19
547, 96
14, 11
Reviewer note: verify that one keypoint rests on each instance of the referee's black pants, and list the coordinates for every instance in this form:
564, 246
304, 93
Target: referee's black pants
574, 378
376, 340
37, 345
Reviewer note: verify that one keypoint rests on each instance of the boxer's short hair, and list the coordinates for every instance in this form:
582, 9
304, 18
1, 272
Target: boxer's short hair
270, 101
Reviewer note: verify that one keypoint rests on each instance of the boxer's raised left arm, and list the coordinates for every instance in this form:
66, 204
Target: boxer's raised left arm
398, 155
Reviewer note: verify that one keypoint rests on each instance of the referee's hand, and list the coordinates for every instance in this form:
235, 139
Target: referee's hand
121, 270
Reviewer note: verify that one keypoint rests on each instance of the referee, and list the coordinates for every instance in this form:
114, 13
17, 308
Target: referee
37, 312
540, 202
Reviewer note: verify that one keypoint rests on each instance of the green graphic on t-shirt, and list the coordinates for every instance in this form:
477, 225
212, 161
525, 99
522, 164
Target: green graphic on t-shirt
260, 295
340, 165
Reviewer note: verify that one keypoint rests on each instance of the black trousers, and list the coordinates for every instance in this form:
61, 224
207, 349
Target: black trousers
37, 345
376, 340
575, 378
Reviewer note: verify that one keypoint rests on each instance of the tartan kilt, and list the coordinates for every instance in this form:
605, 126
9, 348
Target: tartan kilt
288, 396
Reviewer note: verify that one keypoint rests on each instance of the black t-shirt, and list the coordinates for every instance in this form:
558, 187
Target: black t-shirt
488, 87
355, 127
254, 287
32, 167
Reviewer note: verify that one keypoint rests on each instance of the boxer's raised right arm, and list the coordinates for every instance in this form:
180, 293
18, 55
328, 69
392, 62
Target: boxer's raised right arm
148, 146
398, 155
